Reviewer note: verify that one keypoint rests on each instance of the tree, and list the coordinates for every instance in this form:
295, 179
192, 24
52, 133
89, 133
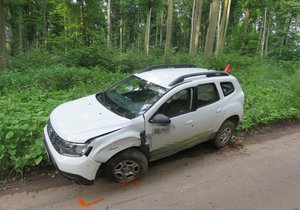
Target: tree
221, 36
121, 26
108, 39
147, 27
263, 36
245, 26
211, 30
2, 36
195, 26
169, 28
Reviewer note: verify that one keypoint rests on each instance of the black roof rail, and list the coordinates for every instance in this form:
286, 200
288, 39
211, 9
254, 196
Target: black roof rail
207, 74
169, 66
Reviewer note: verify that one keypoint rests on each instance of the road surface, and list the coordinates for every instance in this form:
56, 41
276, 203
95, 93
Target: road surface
263, 173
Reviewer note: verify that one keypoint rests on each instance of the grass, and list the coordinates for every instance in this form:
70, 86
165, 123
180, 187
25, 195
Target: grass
27, 97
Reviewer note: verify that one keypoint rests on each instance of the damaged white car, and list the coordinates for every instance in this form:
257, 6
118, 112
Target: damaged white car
149, 115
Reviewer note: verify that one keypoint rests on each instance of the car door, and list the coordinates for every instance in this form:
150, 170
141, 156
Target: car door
208, 109
165, 139
193, 113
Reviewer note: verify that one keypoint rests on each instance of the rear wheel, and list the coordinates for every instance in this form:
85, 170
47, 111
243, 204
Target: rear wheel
128, 165
224, 134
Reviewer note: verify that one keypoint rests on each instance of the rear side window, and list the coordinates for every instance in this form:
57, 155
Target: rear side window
227, 88
206, 94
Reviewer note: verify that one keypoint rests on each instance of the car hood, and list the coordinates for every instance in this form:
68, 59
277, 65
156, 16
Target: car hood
85, 118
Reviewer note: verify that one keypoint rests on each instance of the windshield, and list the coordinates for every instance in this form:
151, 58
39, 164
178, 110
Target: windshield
131, 97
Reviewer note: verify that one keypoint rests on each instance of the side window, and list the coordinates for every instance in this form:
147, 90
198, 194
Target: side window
227, 88
207, 94
178, 104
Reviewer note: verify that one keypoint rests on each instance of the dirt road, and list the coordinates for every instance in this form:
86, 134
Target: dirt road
263, 173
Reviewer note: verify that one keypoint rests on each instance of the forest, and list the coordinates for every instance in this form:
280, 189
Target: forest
52, 51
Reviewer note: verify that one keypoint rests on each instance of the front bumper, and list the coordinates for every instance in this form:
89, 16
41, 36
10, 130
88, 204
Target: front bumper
81, 169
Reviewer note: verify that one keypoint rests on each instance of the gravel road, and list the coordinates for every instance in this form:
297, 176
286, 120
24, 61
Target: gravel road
261, 172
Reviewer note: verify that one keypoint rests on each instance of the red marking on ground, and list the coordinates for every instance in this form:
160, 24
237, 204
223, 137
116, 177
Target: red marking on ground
225, 148
82, 202
238, 142
132, 183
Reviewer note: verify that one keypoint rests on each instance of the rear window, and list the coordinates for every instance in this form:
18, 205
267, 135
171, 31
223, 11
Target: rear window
227, 88
206, 94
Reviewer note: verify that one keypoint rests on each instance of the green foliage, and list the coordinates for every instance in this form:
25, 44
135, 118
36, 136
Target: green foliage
272, 92
26, 101
28, 95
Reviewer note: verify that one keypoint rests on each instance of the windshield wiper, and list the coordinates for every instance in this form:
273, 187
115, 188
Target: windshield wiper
101, 97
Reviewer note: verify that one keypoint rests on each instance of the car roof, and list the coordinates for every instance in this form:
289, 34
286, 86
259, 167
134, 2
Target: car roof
167, 77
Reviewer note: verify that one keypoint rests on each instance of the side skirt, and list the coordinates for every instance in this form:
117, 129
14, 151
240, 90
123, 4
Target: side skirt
173, 149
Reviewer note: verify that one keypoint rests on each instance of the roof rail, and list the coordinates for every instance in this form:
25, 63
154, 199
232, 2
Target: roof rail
169, 66
207, 74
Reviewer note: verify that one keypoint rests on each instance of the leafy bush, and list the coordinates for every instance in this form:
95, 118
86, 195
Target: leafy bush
25, 109
37, 58
28, 95
272, 93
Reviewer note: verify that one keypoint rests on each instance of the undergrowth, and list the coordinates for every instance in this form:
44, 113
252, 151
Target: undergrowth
29, 94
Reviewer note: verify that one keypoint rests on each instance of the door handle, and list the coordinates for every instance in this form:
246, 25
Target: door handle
190, 122
219, 110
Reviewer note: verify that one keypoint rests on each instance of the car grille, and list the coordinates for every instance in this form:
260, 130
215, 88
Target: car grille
54, 138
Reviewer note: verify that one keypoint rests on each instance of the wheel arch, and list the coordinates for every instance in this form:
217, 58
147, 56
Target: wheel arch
129, 148
235, 119
103, 166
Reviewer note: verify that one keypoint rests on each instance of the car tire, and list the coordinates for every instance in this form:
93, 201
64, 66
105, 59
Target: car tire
126, 166
224, 134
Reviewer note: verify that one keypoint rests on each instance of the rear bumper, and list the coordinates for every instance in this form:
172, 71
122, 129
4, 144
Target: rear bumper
83, 170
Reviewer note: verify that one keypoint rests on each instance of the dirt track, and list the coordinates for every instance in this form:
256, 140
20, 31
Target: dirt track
261, 173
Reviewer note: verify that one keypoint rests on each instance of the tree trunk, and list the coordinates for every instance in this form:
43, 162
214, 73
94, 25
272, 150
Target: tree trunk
20, 29
161, 28
246, 26
226, 25
285, 33
169, 28
195, 26
66, 28
2, 37
263, 38
157, 30
192, 26
10, 33
108, 23
219, 26
223, 28
268, 33
211, 30
45, 25
147, 28
121, 27
82, 24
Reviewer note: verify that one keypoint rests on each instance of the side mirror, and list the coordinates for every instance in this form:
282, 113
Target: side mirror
160, 119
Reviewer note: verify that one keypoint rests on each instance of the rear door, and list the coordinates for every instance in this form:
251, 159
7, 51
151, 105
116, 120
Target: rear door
208, 109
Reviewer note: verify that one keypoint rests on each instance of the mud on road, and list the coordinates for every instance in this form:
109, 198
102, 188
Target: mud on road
260, 171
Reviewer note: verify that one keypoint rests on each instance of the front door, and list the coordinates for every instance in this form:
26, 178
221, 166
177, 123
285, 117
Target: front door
168, 138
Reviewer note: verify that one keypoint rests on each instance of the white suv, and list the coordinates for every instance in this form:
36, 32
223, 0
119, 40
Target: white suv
149, 115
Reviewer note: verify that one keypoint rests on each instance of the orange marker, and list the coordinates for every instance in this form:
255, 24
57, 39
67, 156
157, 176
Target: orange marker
133, 183
82, 202
227, 69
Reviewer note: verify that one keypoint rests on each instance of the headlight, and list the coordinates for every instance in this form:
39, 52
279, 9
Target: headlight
72, 149
64, 147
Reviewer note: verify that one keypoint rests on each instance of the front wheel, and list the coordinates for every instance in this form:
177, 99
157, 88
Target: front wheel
224, 134
128, 165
